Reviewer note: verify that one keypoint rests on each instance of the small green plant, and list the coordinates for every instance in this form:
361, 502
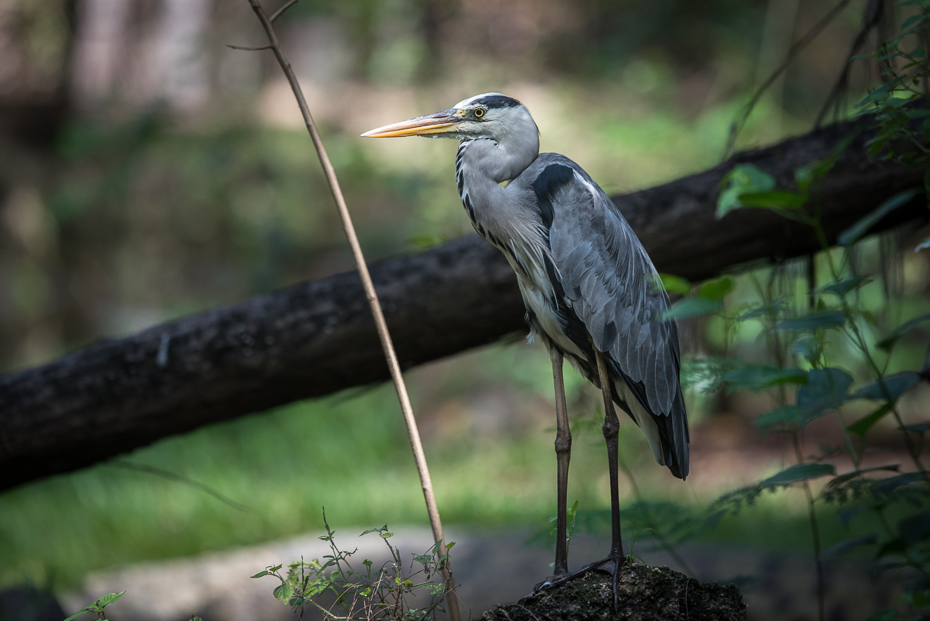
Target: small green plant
570, 514
630, 557
97, 607
384, 593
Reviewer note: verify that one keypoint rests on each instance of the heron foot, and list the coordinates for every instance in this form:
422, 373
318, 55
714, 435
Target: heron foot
610, 565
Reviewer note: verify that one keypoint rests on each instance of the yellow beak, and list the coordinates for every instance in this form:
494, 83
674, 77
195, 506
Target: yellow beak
436, 123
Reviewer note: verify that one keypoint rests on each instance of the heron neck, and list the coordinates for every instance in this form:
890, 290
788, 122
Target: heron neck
482, 164
501, 215
498, 160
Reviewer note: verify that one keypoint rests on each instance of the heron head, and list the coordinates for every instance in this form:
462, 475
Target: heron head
490, 115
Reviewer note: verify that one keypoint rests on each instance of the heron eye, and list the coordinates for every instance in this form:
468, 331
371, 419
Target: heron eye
479, 112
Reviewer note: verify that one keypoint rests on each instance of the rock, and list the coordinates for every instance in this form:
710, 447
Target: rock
645, 593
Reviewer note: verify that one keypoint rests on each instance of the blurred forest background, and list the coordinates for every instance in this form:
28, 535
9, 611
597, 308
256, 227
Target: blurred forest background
147, 171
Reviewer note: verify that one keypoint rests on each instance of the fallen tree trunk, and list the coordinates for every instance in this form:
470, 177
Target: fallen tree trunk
318, 337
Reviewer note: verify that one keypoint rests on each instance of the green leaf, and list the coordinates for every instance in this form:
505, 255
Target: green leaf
805, 176
842, 287
770, 309
717, 288
82, 612
841, 548
98, 606
110, 598
373, 530
420, 243
808, 346
862, 426
888, 342
827, 389
891, 387
692, 307
799, 472
814, 321
283, 592
872, 97
756, 377
675, 284
773, 199
787, 415
860, 228
843, 478
260, 574
911, 21
885, 487
743, 179
879, 93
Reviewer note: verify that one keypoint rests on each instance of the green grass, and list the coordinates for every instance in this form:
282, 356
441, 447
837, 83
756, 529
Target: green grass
350, 455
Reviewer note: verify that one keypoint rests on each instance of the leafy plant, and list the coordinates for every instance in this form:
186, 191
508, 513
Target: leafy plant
800, 337
807, 384
97, 608
904, 68
384, 593
899, 105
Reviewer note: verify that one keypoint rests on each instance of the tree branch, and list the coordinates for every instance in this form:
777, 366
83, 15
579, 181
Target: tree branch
318, 337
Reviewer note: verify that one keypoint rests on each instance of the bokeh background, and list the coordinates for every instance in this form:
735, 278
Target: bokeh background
147, 171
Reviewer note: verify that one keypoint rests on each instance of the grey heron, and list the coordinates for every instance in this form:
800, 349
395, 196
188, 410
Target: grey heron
590, 289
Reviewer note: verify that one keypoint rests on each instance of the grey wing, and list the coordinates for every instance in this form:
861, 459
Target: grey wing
614, 290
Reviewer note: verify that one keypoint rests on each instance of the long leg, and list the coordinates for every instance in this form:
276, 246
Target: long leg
611, 431
563, 453
611, 428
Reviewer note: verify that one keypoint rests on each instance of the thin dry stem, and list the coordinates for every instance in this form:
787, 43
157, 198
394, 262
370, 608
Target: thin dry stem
281, 11
248, 49
370, 294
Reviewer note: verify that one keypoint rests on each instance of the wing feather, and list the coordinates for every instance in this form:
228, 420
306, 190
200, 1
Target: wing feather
608, 279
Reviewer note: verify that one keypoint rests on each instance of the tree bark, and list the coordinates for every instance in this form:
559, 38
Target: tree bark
318, 337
